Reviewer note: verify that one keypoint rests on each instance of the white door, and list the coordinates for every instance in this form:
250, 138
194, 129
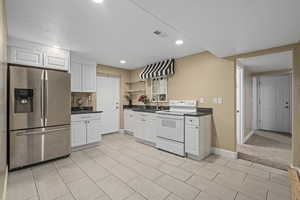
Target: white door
239, 105
78, 133
93, 131
88, 78
108, 100
274, 101
76, 77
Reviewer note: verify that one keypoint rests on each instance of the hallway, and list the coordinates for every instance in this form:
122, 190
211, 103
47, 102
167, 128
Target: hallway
268, 148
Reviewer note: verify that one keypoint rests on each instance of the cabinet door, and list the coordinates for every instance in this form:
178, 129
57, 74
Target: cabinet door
76, 77
78, 132
88, 78
127, 120
139, 129
57, 59
192, 140
25, 56
150, 130
93, 131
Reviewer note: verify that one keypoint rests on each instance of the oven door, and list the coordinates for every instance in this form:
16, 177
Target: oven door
171, 127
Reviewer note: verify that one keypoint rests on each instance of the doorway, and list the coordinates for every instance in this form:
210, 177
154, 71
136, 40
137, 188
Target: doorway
263, 105
108, 101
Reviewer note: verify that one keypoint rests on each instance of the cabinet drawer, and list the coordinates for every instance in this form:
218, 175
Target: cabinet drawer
83, 117
194, 121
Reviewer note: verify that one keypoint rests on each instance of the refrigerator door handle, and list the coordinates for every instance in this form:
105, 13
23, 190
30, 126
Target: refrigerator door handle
42, 99
24, 133
46, 97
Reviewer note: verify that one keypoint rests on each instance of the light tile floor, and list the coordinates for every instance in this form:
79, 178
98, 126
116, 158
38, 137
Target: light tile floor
122, 169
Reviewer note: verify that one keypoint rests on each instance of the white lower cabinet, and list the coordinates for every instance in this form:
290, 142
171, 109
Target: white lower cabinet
129, 120
198, 136
142, 125
93, 131
78, 133
85, 129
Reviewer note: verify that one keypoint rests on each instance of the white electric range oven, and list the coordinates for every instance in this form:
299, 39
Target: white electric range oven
170, 125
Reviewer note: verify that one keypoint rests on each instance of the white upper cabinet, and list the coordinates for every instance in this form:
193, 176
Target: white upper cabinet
76, 83
83, 76
33, 54
57, 59
89, 78
26, 56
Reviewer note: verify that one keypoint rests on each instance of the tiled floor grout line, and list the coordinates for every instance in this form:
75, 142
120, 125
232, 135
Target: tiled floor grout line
121, 181
64, 181
90, 179
163, 173
35, 184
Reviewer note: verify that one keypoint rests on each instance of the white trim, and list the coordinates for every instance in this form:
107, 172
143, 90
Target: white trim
239, 97
224, 153
255, 103
5, 184
295, 168
248, 136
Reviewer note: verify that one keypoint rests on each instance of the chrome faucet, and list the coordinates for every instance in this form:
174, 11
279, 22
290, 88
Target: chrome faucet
157, 105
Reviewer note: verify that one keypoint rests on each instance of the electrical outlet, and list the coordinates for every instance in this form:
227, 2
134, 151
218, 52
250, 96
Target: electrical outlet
215, 100
220, 100
202, 100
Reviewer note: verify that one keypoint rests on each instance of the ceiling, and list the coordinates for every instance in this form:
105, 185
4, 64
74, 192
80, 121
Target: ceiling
123, 29
269, 62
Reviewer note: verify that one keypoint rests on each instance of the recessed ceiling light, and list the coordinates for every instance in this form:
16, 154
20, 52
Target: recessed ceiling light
122, 61
56, 46
179, 42
98, 1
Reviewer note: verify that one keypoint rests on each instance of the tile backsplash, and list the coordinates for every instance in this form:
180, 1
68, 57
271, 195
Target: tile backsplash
83, 99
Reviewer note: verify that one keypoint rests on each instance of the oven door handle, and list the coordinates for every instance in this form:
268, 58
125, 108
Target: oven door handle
171, 118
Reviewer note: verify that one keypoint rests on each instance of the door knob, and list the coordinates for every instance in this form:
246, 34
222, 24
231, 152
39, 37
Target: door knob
286, 107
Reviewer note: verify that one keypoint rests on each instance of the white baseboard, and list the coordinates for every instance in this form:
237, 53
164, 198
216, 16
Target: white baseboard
5, 184
248, 136
223, 153
296, 168
122, 130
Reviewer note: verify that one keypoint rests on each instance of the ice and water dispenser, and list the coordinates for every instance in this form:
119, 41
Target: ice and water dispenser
23, 100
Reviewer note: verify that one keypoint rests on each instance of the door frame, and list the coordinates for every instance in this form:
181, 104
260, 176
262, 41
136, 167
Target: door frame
239, 80
258, 117
120, 95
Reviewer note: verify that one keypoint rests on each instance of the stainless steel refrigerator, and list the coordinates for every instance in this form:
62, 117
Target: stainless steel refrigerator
39, 115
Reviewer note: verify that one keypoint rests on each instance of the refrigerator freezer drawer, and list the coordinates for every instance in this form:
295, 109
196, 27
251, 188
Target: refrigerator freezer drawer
38, 145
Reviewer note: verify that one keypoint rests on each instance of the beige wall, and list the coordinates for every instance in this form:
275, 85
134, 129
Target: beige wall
205, 75
124, 77
3, 104
296, 113
248, 102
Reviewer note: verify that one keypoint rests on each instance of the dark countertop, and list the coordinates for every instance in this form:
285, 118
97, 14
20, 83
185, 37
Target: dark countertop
198, 114
152, 109
85, 112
